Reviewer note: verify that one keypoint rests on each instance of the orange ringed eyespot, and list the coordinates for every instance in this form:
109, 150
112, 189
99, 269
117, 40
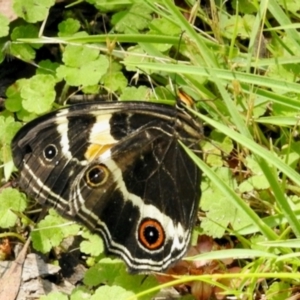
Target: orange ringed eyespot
151, 234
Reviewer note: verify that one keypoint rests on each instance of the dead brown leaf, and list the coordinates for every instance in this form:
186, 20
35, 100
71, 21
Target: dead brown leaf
7, 10
11, 280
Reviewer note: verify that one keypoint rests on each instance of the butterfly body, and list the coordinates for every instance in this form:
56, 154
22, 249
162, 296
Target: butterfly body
119, 169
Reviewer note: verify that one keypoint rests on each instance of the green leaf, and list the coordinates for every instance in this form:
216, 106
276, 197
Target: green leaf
245, 187
220, 210
89, 74
129, 282
91, 89
111, 293
26, 116
105, 271
244, 6
133, 93
113, 272
259, 182
133, 19
135, 56
38, 93
252, 165
115, 81
25, 31
93, 245
78, 56
47, 67
84, 66
20, 50
164, 26
221, 144
107, 5
68, 27
279, 291
8, 129
32, 10
13, 101
11, 201
290, 5
291, 155
243, 25
279, 72
80, 293
3, 46
163, 93
51, 231
55, 296
4, 22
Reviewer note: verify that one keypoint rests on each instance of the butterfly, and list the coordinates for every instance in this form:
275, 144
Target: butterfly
119, 169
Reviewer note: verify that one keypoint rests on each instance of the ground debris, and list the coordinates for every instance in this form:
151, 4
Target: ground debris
34, 280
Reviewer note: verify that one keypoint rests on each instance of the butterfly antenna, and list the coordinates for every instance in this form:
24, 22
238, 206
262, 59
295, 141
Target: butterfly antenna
176, 56
181, 97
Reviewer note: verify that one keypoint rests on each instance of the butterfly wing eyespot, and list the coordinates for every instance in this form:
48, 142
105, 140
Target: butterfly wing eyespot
96, 175
151, 234
50, 152
108, 176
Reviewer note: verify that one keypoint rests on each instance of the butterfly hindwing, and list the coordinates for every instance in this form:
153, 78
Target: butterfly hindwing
119, 169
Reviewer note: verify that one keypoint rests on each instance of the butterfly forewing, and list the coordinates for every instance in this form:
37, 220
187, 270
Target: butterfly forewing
119, 169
